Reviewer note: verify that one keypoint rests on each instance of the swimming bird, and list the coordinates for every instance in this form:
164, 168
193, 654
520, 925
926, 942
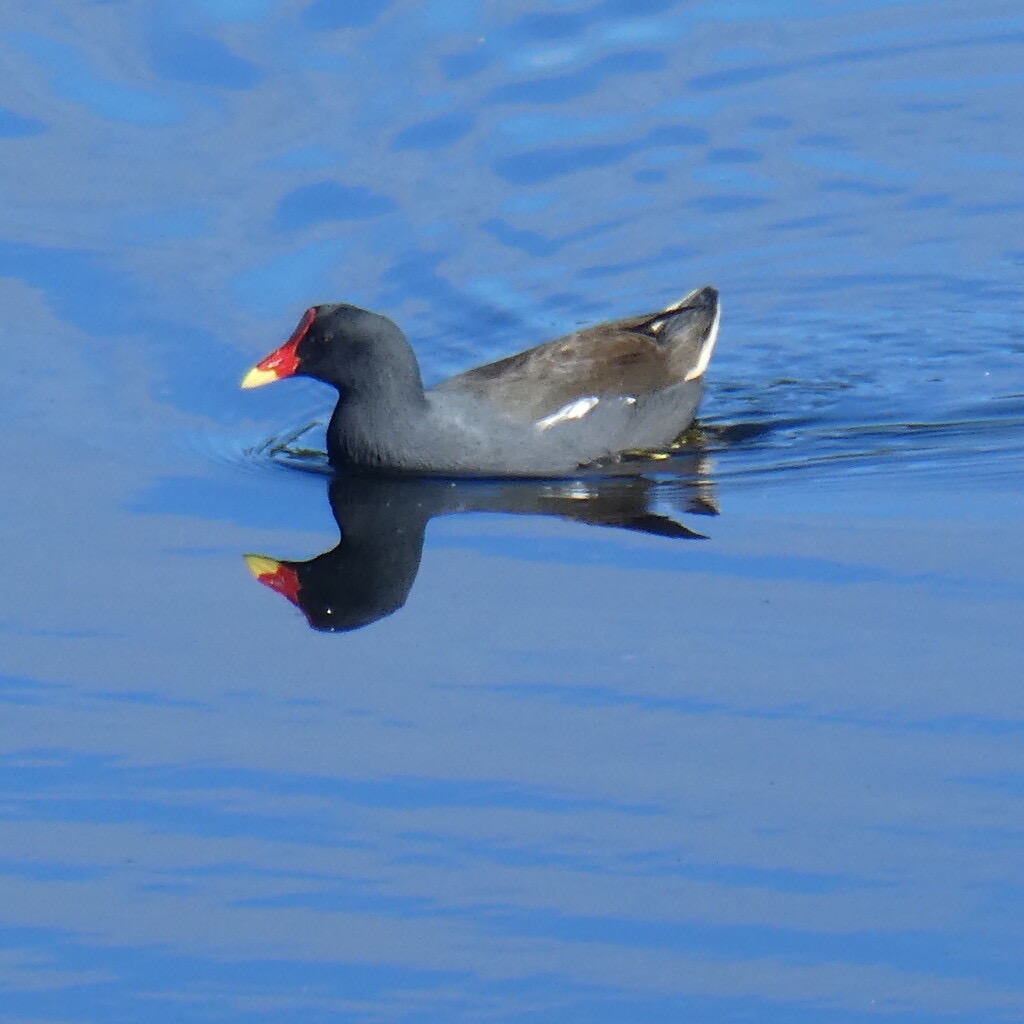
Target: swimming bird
582, 400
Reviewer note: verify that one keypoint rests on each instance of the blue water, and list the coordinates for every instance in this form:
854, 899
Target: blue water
738, 740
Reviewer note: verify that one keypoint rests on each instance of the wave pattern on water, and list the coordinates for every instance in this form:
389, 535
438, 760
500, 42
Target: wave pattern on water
582, 775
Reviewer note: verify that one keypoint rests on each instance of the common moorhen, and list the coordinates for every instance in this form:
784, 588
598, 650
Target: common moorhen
583, 399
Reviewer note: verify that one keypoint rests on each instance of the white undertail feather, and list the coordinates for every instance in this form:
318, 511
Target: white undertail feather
708, 347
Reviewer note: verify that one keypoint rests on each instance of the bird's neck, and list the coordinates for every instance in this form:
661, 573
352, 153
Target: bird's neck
373, 430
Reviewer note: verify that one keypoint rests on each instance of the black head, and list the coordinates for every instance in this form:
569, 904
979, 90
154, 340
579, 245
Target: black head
351, 348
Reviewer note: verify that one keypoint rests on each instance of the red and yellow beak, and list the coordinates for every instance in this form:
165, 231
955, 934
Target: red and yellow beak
276, 575
267, 372
284, 361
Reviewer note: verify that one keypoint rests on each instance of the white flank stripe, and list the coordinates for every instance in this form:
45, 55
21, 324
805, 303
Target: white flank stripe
573, 411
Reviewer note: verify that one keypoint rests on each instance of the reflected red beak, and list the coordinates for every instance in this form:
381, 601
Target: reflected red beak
276, 575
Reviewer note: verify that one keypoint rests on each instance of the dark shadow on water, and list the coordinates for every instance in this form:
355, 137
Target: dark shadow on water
382, 521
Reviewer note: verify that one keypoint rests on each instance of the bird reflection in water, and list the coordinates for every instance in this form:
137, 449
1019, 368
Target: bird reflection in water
382, 520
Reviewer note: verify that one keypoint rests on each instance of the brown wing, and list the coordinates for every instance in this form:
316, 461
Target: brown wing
610, 359
634, 357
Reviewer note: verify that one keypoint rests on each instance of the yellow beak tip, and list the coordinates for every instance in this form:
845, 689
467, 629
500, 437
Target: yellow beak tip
256, 378
261, 565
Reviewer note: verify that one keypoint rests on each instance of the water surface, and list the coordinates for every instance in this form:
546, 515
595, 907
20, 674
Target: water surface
574, 765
